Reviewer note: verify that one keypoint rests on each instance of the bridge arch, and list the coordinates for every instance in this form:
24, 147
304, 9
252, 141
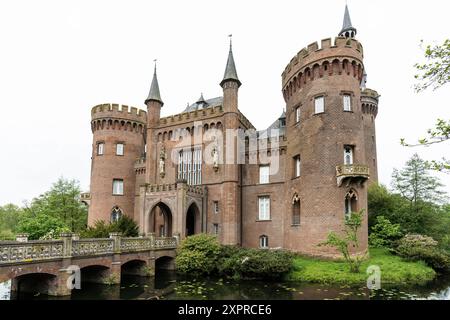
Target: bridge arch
37, 282
159, 220
165, 262
96, 273
136, 267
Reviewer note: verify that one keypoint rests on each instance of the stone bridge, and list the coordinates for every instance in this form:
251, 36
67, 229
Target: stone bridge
50, 266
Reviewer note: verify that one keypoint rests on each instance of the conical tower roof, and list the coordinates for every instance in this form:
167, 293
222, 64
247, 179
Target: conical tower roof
230, 70
154, 90
347, 24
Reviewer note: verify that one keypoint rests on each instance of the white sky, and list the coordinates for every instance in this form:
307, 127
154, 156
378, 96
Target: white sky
60, 58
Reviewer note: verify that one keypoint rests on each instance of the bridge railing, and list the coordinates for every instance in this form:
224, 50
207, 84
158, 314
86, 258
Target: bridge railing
92, 247
11, 251
165, 243
23, 251
135, 244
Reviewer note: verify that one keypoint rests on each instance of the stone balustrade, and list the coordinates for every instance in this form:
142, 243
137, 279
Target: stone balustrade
24, 251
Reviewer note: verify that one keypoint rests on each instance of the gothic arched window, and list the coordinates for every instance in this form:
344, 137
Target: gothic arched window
116, 213
351, 199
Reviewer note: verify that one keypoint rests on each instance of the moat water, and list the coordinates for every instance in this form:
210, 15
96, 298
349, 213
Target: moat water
169, 286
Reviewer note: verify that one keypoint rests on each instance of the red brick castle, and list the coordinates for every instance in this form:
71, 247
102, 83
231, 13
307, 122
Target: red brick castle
208, 170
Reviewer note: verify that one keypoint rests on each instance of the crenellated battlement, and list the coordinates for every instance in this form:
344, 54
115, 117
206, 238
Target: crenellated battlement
342, 47
195, 115
370, 93
344, 56
120, 117
369, 101
113, 110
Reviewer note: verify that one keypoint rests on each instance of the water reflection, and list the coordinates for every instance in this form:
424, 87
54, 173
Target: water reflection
169, 286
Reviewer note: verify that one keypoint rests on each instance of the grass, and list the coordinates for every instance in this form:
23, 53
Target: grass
394, 270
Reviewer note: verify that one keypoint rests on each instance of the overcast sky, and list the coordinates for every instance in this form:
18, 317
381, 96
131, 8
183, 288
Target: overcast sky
60, 58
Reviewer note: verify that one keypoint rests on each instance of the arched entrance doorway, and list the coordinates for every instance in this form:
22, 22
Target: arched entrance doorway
160, 220
193, 222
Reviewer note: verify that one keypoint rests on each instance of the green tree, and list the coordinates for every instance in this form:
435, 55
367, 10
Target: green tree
415, 183
61, 202
435, 73
40, 226
9, 217
349, 239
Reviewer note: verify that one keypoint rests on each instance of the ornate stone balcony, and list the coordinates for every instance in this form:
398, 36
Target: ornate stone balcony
351, 173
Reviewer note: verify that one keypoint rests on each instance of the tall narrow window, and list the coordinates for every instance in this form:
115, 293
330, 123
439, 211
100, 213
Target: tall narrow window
297, 165
264, 242
264, 172
348, 155
216, 228
296, 211
264, 208
351, 199
119, 149
319, 104
118, 187
190, 165
297, 115
100, 148
347, 102
216, 207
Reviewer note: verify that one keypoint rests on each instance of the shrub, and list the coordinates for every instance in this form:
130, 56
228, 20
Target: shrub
125, 225
384, 233
198, 254
420, 247
254, 263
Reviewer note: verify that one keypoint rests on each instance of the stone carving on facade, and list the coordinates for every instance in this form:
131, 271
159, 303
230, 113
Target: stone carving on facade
162, 163
215, 157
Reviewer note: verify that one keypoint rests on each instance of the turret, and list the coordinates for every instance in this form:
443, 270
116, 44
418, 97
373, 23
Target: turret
369, 106
230, 84
154, 104
326, 140
230, 170
118, 140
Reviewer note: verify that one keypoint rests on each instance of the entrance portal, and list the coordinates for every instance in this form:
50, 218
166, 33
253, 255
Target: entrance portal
160, 220
193, 223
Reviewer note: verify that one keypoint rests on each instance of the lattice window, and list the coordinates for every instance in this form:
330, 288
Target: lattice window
190, 166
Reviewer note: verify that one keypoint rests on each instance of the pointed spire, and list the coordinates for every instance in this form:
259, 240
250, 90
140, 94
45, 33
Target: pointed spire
154, 89
230, 70
348, 30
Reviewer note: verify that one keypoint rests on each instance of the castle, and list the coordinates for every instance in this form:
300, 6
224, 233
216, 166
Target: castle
207, 170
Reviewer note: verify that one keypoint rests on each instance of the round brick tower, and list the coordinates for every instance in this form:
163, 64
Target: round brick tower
326, 143
118, 141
